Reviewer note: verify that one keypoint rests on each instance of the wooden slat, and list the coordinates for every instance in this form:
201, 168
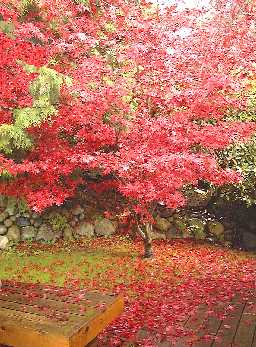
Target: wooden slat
63, 317
62, 306
91, 329
192, 322
34, 314
144, 333
246, 328
37, 322
240, 330
30, 297
211, 328
81, 302
227, 334
38, 291
254, 339
27, 330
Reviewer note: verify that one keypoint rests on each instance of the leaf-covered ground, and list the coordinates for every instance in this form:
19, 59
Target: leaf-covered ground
160, 293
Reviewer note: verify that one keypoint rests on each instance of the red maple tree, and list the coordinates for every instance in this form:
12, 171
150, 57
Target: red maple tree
133, 92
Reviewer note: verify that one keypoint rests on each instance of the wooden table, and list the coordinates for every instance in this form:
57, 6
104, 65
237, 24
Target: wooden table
47, 316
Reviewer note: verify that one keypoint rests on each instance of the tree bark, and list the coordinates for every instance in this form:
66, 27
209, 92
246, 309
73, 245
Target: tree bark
145, 232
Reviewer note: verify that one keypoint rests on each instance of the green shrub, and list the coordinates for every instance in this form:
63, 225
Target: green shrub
58, 222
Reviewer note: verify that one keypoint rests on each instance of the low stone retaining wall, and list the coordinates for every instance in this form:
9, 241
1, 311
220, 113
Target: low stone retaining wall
16, 226
81, 220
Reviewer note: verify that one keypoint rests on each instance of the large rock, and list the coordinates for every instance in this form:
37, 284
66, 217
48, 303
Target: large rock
249, 240
3, 216
3, 242
3, 229
23, 221
11, 210
174, 233
197, 198
84, 229
13, 233
38, 222
105, 227
158, 236
28, 233
197, 227
180, 223
162, 224
45, 233
8, 222
216, 228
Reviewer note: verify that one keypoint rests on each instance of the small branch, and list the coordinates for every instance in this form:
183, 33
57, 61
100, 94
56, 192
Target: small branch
141, 232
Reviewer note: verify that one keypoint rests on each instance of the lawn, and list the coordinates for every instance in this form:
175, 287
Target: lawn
160, 293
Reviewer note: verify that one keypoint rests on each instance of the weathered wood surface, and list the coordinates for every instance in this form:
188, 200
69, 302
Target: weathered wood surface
232, 325
236, 329
47, 316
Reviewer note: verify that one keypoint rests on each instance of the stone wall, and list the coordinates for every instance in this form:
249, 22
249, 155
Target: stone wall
192, 224
68, 223
85, 218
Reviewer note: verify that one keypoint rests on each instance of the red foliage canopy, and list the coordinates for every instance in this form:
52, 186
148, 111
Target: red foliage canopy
147, 104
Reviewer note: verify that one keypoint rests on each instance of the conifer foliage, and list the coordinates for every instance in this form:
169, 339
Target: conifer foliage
133, 92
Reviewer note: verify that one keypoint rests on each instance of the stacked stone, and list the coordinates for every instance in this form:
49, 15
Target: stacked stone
84, 221
184, 224
29, 226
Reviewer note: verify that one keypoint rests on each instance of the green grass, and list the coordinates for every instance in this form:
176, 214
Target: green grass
49, 268
61, 264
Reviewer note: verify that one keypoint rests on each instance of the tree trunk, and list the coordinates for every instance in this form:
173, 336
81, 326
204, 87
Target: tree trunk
145, 233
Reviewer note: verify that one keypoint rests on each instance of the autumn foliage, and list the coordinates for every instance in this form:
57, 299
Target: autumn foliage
131, 92
160, 294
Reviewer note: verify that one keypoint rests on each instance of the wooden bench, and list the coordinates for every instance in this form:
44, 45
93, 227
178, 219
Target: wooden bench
47, 316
